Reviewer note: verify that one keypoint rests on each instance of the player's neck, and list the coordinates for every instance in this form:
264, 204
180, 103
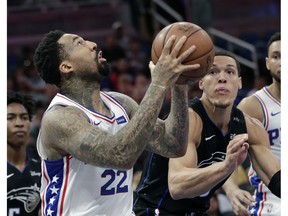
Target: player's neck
79, 90
221, 119
275, 90
220, 116
86, 94
17, 156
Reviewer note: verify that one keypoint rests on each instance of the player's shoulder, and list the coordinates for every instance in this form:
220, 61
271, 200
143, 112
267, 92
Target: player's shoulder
247, 102
253, 123
193, 114
59, 111
257, 135
62, 118
126, 101
119, 96
251, 106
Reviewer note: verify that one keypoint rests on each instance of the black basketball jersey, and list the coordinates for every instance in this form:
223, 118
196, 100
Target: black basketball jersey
152, 196
23, 189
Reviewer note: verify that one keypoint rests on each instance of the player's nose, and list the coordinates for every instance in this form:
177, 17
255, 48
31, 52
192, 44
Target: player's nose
92, 45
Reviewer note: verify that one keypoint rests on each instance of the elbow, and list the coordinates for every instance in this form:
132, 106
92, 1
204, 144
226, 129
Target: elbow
176, 190
180, 151
176, 193
123, 163
126, 165
180, 148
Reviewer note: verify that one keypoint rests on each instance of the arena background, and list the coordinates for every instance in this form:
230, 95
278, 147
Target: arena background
25, 22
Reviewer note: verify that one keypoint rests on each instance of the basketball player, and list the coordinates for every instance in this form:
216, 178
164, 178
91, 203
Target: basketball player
264, 105
89, 139
23, 171
220, 136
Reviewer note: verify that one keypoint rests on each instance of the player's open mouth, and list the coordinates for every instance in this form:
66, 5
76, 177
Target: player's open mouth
100, 58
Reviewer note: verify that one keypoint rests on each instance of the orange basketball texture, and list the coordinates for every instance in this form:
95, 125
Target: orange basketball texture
203, 54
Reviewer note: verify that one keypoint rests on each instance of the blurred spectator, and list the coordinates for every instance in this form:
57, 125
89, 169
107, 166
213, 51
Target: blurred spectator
138, 58
121, 35
23, 169
24, 77
141, 83
121, 72
259, 83
125, 84
40, 108
112, 51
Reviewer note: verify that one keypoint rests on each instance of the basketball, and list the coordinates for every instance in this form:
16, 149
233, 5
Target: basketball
203, 54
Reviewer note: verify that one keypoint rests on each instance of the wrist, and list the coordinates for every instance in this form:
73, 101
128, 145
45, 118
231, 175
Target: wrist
158, 86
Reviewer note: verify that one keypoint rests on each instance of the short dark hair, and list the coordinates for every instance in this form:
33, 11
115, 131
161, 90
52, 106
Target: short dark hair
231, 55
275, 37
48, 56
26, 100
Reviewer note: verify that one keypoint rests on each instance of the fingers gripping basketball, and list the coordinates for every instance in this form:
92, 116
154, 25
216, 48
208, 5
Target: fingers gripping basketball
203, 55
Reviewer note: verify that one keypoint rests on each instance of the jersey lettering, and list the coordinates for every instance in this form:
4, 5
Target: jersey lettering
112, 175
273, 135
14, 211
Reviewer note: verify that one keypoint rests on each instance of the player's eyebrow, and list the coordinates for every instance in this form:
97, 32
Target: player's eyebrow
75, 38
231, 65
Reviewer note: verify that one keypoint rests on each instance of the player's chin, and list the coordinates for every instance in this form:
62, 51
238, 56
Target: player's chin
104, 69
220, 103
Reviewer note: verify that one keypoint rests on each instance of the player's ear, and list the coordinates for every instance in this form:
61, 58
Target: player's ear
201, 83
267, 63
239, 82
65, 67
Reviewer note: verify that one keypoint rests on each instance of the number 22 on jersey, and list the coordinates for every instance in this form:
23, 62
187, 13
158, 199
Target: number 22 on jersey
115, 182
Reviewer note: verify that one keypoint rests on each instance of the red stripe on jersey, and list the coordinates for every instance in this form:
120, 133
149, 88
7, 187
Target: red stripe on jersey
47, 180
262, 203
67, 158
114, 101
92, 113
271, 96
266, 115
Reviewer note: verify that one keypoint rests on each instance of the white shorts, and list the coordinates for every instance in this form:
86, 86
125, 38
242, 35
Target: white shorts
267, 204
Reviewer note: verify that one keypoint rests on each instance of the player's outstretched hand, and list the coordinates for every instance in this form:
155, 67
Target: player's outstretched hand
240, 200
169, 66
237, 151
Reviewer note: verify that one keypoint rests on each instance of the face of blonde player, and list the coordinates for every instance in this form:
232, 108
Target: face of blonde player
221, 84
82, 55
273, 60
18, 125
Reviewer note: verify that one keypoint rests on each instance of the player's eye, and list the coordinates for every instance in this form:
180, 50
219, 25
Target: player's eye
80, 43
276, 56
25, 118
213, 72
10, 118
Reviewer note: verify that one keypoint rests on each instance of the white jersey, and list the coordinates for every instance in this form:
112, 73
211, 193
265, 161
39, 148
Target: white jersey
266, 202
70, 187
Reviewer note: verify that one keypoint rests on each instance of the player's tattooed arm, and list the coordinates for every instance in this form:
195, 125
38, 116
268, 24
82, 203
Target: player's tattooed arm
66, 130
170, 137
